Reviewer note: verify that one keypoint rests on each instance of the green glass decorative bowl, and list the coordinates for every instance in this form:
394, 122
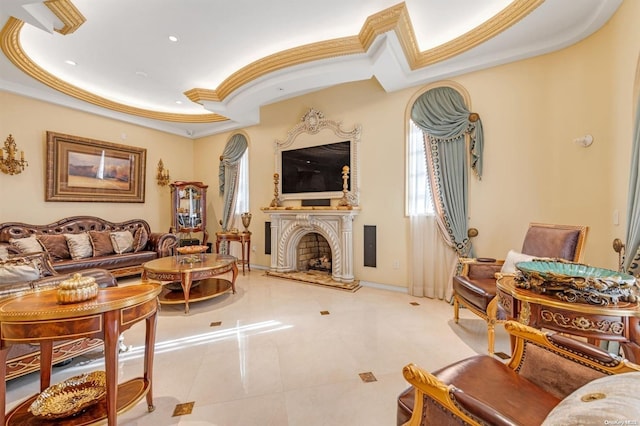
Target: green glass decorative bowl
564, 272
576, 282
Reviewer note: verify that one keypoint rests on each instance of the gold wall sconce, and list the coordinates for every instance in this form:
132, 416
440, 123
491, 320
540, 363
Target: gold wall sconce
10, 164
163, 174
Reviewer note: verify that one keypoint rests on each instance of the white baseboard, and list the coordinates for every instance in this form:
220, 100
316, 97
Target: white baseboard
388, 287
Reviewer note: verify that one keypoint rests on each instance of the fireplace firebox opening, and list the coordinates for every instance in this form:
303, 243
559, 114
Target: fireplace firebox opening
314, 253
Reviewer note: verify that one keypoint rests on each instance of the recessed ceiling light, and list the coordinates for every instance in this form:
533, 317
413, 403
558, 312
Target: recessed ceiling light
70, 62
179, 102
142, 74
173, 38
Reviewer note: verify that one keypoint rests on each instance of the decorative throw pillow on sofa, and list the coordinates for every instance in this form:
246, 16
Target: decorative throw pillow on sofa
27, 268
11, 274
122, 241
513, 257
55, 245
79, 245
101, 243
26, 245
140, 239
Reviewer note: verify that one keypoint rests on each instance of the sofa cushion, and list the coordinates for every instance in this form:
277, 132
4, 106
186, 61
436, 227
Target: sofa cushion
101, 243
608, 400
26, 245
111, 262
122, 241
79, 245
55, 245
140, 239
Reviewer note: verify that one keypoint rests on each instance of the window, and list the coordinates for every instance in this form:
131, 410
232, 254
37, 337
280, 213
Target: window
242, 203
419, 200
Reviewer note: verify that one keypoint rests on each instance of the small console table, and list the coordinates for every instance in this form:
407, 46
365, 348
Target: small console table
244, 238
37, 318
620, 323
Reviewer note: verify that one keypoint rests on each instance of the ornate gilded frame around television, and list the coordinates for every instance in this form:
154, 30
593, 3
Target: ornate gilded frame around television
314, 130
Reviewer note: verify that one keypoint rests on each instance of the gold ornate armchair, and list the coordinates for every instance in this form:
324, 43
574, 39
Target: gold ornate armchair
475, 287
546, 378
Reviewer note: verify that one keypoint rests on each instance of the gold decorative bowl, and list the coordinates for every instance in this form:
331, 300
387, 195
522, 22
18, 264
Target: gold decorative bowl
77, 289
191, 249
70, 397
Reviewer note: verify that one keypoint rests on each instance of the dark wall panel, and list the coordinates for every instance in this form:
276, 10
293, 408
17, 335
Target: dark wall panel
370, 245
267, 238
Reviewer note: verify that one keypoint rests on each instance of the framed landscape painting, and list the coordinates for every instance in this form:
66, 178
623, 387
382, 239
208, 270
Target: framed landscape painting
81, 169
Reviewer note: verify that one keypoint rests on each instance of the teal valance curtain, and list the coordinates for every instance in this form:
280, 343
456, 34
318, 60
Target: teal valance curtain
228, 175
632, 244
446, 121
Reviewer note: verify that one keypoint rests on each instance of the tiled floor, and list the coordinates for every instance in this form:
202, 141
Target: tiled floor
284, 353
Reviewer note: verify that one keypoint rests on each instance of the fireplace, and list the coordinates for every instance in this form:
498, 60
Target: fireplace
334, 226
314, 253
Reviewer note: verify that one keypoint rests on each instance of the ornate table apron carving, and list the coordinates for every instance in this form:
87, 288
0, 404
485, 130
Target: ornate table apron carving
619, 323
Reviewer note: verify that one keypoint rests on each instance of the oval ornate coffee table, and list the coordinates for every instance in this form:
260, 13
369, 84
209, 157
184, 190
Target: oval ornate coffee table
188, 269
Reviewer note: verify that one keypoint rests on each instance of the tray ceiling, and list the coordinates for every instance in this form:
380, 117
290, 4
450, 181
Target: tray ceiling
115, 58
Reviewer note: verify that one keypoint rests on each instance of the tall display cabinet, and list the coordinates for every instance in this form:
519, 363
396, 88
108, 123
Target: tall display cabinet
189, 211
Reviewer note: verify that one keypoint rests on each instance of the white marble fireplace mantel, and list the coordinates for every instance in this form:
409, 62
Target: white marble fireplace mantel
290, 224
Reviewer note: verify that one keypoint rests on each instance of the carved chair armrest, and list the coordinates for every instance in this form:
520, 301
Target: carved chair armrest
426, 384
569, 348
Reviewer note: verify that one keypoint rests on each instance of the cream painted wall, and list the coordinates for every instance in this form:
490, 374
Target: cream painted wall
22, 195
531, 111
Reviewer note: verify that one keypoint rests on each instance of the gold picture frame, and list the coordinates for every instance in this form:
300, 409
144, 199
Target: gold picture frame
82, 169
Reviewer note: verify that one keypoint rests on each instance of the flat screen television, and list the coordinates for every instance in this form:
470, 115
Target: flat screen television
315, 169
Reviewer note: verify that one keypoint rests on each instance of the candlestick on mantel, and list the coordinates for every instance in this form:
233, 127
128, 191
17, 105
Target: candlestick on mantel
276, 198
344, 201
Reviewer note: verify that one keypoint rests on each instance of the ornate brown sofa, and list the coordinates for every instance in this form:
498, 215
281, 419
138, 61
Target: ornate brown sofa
25, 358
148, 245
549, 379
